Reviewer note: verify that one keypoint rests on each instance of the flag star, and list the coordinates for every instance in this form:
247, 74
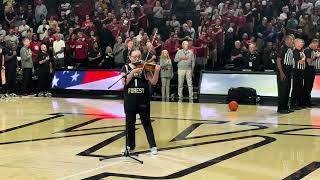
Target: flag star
55, 81
65, 72
75, 76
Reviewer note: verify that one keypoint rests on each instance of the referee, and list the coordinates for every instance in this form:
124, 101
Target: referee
137, 99
298, 91
285, 64
309, 74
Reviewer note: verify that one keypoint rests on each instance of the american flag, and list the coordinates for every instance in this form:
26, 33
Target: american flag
87, 80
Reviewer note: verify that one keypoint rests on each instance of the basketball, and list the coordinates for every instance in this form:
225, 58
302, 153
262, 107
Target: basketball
233, 106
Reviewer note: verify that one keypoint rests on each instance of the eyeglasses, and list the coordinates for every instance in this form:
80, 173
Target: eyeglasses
136, 57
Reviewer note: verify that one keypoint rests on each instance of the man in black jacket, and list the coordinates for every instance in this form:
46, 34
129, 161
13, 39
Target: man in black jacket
11, 66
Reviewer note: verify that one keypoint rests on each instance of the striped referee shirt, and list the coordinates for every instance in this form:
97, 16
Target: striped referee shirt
316, 62
310, 54
286, 55
299, 55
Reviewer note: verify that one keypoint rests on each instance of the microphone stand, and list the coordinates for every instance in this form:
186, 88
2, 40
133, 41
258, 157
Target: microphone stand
127, 152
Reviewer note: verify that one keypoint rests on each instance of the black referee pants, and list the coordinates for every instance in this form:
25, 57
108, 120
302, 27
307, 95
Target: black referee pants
298, 91
146, 122
309, 75
284, 88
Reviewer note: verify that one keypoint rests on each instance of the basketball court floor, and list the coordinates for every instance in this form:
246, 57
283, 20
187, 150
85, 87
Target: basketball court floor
57, 138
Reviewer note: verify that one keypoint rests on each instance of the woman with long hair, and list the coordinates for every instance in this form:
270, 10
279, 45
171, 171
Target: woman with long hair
166, 74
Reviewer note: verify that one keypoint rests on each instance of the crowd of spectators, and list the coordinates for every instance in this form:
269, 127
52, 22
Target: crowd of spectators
101, 33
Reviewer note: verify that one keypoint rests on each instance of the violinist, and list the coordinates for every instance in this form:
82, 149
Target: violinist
137, 98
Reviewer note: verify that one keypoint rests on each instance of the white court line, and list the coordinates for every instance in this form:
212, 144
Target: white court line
87, 171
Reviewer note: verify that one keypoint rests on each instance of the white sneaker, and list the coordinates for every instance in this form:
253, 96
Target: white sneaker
154, 151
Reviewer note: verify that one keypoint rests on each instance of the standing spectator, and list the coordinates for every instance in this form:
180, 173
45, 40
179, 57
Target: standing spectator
148, 11
43, 30
106, 37
237, 56
191, 29
65, 8
95, 57
269, 56
218, 33
12, 37
186, 63
118, 49
23, 28
127, 51
45, 69
166, 74
81, 52
172, 45
10, 18
292, 23
53, 24
41, 11
70, 49
201, 45
58, 52
158, 14
109, 58
174, 23
11, 66
58, 33
252, 59
29, 14
64, 27
212, 48
26, 65
35, 48
149, 53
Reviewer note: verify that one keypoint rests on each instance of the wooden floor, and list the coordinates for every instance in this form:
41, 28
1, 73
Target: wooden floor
52, 138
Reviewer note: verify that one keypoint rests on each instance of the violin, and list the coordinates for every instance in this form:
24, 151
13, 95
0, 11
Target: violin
146, 66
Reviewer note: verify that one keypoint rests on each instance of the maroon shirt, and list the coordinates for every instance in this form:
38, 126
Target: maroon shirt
81, 49
218, 38
201, 47
171, 46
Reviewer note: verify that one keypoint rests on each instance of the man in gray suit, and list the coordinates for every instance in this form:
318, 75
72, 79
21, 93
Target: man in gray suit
26, 65
186, 62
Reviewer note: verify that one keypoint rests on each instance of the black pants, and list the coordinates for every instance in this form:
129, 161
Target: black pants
146, 122
11, 77
27, 80
309, 75
298, 91
44, 79
284, 88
